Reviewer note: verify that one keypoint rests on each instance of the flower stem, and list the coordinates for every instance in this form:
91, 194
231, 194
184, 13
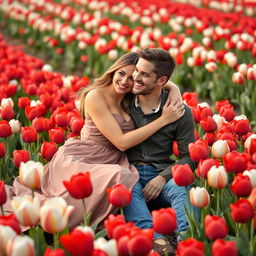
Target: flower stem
33, 193
122, 211
189, 217
218, 201
251, 235
56, 240
2, 210
85, 214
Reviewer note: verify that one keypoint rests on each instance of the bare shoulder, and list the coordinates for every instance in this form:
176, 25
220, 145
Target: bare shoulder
95, 100
93, 95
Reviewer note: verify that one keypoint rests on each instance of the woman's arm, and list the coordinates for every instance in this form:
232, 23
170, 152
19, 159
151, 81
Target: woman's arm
99, 112
174, 91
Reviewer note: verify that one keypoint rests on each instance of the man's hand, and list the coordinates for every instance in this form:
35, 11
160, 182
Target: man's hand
153, 188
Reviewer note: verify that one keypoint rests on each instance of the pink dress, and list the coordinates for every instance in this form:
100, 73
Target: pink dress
92, 153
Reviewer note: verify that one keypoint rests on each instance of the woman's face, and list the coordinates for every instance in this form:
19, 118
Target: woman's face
122, 80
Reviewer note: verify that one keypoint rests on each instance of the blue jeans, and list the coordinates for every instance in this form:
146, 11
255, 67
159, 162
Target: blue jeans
172, 195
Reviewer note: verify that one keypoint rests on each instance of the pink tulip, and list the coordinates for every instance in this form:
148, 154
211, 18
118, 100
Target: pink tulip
237, 78
26, 209
21, 245
54, 214
6, 234
217, 177
31, 174
219, 149
251, 74
199, 197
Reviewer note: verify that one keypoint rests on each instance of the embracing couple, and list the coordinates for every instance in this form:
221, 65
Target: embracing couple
127, 139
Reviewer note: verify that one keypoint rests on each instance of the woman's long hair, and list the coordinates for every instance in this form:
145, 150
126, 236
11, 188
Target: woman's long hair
106, 79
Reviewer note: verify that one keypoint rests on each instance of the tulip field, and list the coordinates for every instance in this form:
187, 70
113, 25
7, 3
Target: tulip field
214, 45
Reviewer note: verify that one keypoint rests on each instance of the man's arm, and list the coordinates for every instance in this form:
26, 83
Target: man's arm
184, 136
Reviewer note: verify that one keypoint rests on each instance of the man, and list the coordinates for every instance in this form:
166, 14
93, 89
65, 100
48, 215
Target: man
152, 157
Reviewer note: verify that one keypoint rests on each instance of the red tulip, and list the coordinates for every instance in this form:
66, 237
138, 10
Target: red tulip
7, 113
112, 222
164, 221
61, 119
5, 129
190, 246
227, 112
57, 135
129, 237
215, 227
208, 124
209, 137
23, 102
242, 126
54, 252
40, 124
182, 174
28, 134
48, 149
2, 150
3, 196
99, 252
241, 185
242, 211
78, 243
221, 103
190, 98
10, 89
235, 162
139, 245
79, 186
175, 148
204, 111
11, 221
122, 247
205, 165
119, 195
76, 125
221, 247
20, 156
198, 150
46, 100
36, 111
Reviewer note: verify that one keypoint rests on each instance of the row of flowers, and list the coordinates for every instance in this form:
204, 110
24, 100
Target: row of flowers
248, 7
39, 111
214, 56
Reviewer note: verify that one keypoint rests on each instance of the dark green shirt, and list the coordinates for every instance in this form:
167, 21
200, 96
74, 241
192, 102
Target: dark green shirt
157, 149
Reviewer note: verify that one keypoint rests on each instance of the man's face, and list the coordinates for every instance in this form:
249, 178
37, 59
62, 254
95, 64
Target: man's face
145, 80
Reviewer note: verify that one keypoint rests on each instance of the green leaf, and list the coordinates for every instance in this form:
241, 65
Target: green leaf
101, 233
242, 243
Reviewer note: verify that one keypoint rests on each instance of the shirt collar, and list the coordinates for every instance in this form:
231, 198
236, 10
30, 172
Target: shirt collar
155, 110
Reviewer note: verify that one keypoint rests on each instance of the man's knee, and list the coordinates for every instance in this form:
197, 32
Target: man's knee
137, 187
172, 186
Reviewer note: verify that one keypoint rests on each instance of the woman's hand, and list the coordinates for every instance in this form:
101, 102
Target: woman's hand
172, 111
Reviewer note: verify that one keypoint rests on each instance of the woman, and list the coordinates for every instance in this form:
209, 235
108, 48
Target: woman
108, 131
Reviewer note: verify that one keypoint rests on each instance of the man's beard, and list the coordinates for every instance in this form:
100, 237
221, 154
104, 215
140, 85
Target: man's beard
145, 90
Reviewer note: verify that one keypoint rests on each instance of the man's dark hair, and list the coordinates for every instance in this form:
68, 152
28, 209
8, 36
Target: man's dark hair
164, 63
